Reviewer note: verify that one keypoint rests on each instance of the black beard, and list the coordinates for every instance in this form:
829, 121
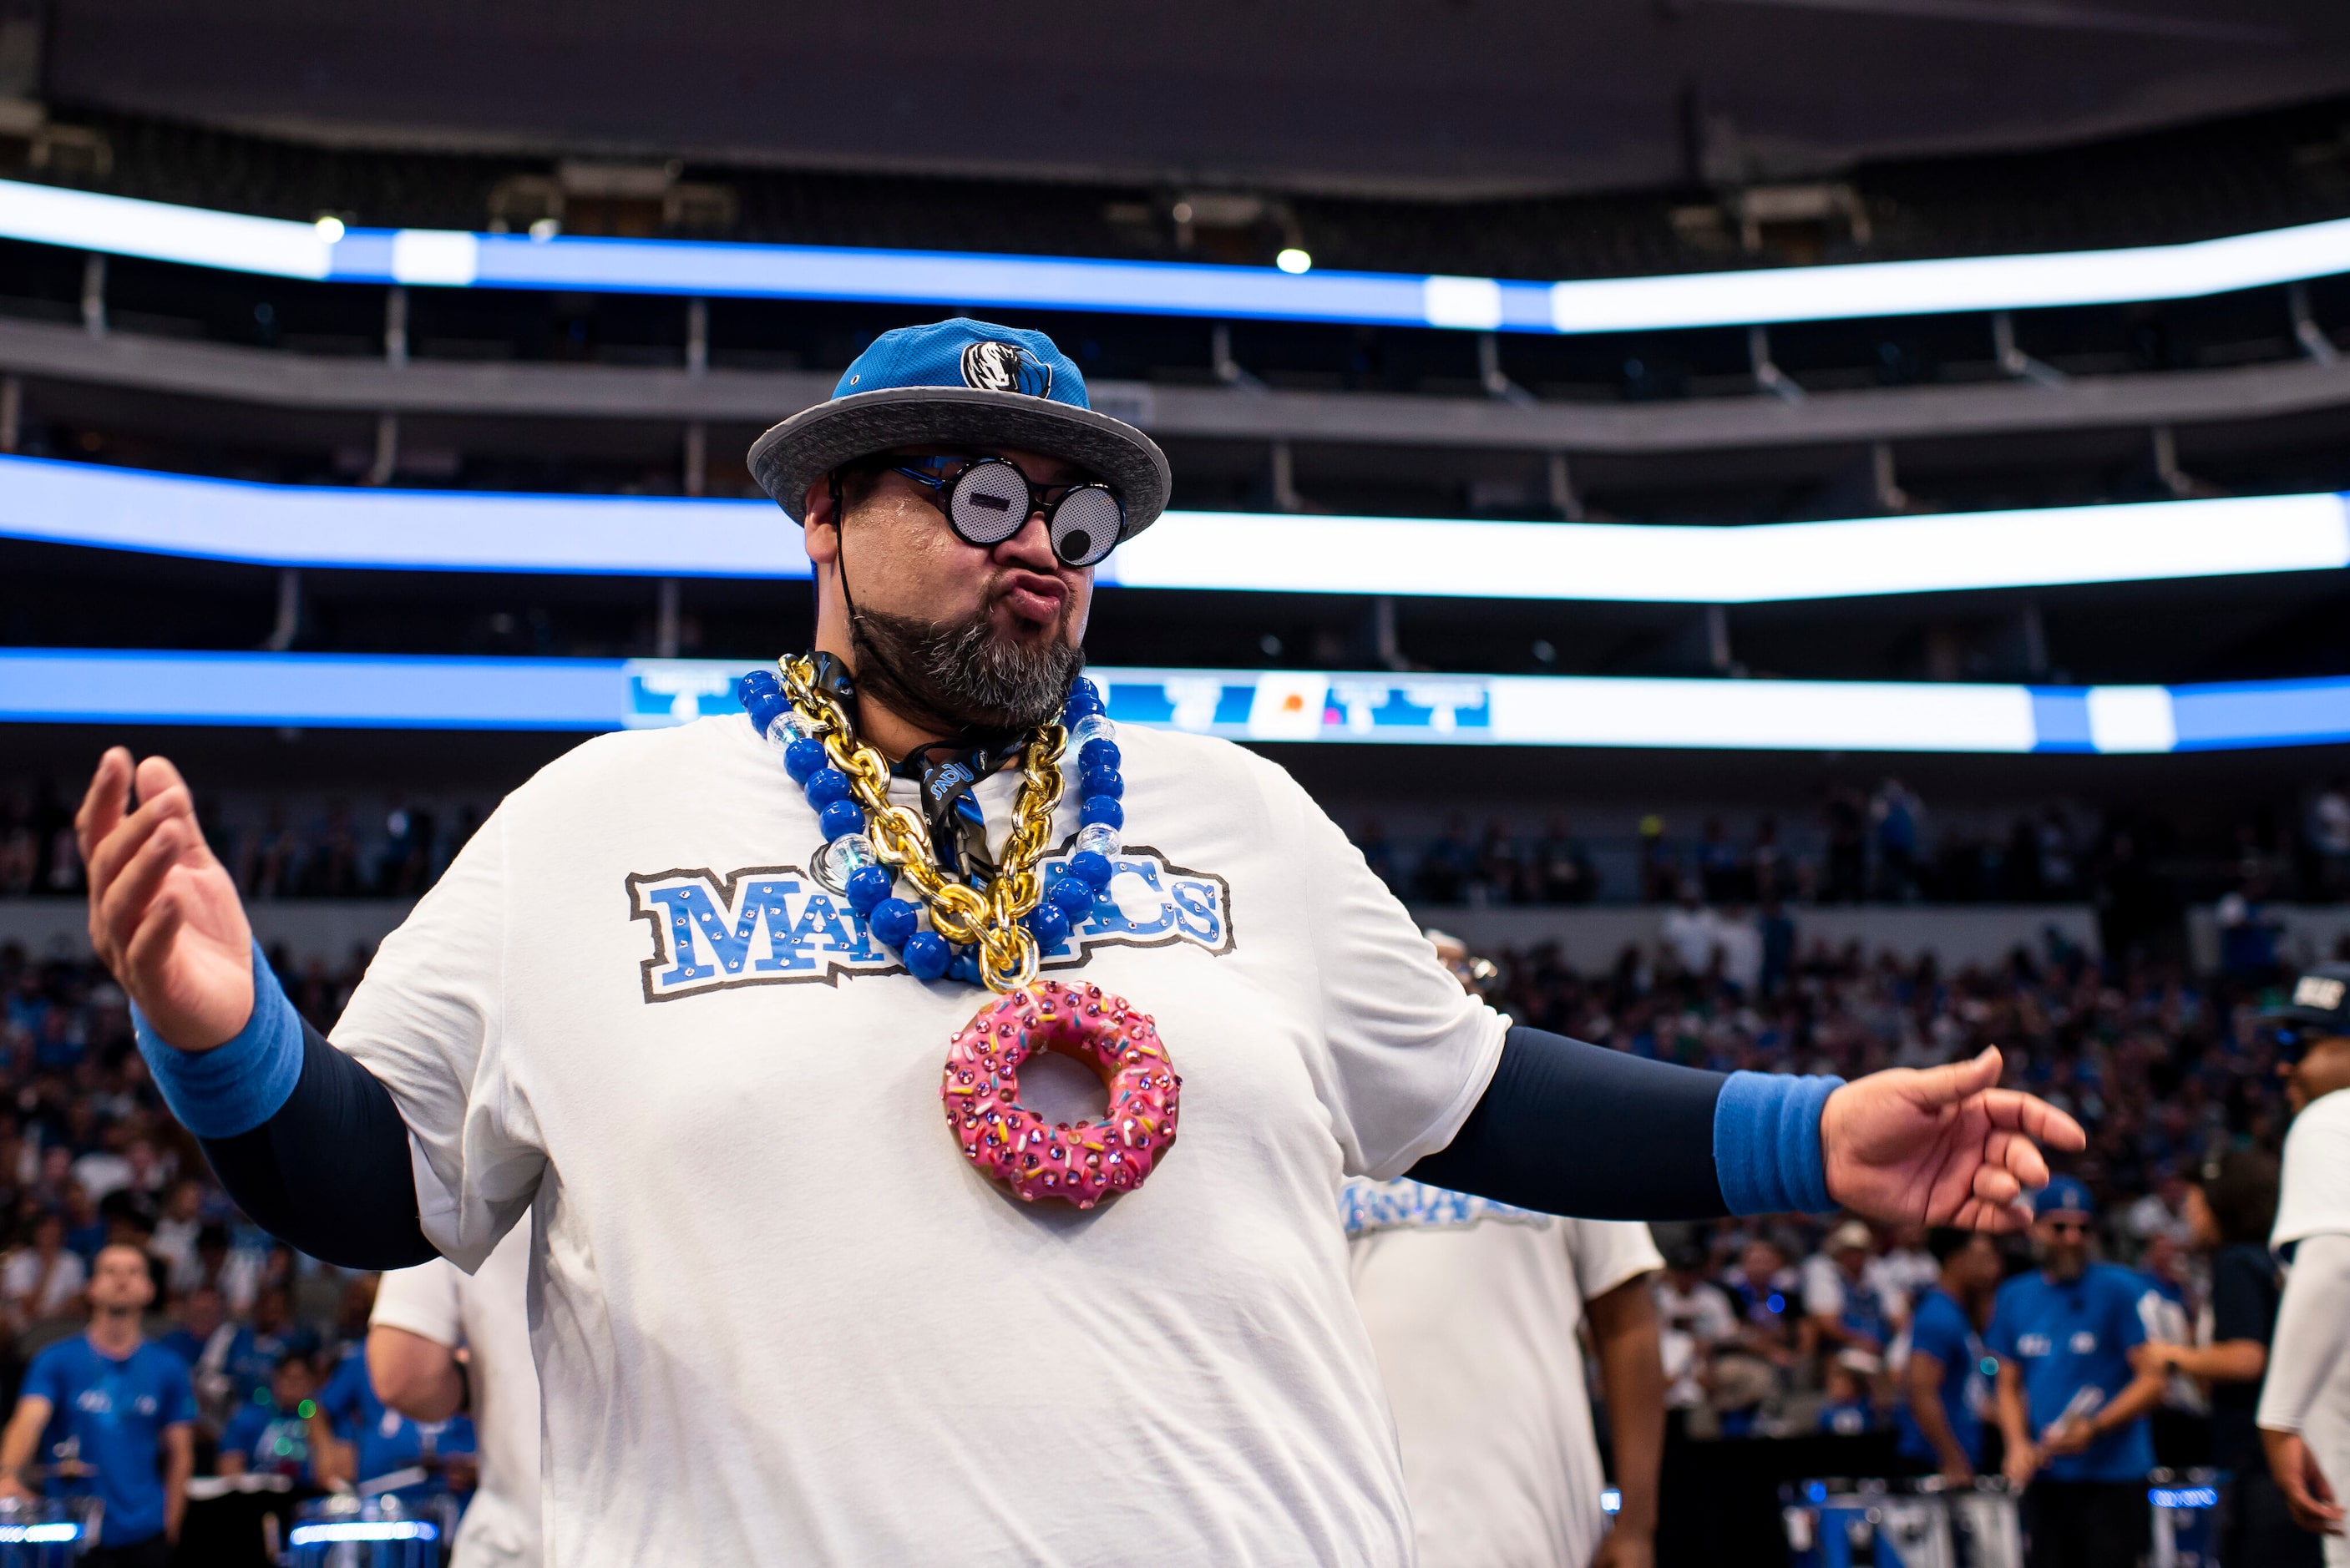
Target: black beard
961, 672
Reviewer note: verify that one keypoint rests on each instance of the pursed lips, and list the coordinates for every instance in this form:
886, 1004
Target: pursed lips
1033, 596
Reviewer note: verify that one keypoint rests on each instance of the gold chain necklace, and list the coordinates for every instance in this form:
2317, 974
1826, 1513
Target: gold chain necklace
960, 913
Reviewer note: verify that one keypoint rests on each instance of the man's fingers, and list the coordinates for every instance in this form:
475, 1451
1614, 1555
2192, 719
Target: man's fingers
2020, 1157
137, 880
1995, 1186
1959, 1080
157, 774
160, 782
103, 804
113, 852
150, 941
2036, 1119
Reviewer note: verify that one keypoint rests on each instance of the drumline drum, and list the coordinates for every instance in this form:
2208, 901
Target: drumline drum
49, 1532
347, 1532
1901, 1524
1924, 1524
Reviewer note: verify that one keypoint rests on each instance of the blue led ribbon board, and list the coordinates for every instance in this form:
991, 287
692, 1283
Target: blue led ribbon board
89, 220
360, 691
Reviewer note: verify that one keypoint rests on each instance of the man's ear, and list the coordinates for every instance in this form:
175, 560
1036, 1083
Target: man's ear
821, 528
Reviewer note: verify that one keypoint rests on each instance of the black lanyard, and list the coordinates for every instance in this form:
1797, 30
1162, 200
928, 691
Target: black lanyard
947, 776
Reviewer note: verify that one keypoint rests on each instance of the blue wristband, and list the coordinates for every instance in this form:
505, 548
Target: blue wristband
240, 1084
1766, 1144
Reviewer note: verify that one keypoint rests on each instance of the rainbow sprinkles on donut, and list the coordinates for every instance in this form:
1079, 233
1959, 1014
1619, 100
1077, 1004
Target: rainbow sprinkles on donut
1077, 1162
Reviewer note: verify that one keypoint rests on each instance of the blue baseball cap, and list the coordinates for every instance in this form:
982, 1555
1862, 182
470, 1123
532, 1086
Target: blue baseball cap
2318, 1009
2064, 1195
962, 381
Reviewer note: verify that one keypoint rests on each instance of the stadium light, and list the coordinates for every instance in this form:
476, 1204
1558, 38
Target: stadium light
462, 531
1292, 290
389, 692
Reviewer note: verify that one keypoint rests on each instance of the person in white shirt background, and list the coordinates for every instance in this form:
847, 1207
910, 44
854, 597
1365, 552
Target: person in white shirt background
1843, 1307
2304, 1408
42, 1278
1473, 1309
1691, 932
1694, 1320
439, 1336
1903, 1271
2163, 1211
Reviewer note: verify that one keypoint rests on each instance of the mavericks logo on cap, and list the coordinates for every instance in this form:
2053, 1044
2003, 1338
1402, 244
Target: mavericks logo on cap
993, 365
2319, 992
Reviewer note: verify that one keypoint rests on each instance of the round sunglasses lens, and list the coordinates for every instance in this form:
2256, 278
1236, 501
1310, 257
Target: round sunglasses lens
1086, 525
990, 503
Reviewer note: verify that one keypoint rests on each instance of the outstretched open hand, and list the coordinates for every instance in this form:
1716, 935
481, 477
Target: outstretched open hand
165, 916
1941, 1146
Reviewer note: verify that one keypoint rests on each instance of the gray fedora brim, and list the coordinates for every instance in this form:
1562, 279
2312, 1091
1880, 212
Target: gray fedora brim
802, 449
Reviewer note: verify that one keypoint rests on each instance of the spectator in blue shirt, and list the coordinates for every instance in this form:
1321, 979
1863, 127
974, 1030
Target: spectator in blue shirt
1947, 1386
286, 1432
260, 1347
115, 1411
2075, 1382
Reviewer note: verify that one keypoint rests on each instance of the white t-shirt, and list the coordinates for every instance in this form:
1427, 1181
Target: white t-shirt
1693, 935
1900, 1278
1689, 1323
2314, 1196
1740, 945
1473, 1306
23, 1278
488, 1313
779, 1317
2315, 1201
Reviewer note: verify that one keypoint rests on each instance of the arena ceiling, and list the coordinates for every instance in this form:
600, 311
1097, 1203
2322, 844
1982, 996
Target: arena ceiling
1428, 97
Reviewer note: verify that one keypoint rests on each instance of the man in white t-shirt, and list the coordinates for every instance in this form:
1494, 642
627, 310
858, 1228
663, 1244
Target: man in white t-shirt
1691, 932
1694, 1319
1903, 1272
2304, 1409
1843, 1307
779, 1317
423, 1317
2163, 1211
1472, 1308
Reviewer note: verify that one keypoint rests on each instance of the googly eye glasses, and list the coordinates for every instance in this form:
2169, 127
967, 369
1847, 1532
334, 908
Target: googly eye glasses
988, 499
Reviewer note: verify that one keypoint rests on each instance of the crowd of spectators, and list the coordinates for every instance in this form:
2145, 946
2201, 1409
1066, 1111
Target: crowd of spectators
1774, 1325
1879, 847
273, 848
89, 1157
1875, 846
1790, 1324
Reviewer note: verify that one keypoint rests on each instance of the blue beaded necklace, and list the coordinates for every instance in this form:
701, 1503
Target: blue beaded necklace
848, 861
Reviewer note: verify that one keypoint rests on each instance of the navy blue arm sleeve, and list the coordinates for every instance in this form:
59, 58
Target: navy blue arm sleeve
1570, 1128
328, 1171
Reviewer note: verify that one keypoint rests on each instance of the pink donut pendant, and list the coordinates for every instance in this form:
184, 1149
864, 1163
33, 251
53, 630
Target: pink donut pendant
1079, 1163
